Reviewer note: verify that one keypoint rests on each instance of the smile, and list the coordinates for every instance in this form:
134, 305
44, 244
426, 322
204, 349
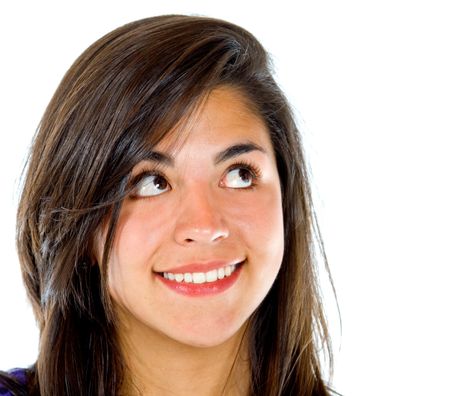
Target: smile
197, 284
201, 277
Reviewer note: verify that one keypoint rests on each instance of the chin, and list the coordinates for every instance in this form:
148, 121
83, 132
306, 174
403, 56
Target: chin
210, 337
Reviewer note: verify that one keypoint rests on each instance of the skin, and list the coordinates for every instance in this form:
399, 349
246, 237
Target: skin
184, 345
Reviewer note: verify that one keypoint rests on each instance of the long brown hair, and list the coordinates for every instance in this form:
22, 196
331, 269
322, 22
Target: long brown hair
120, 97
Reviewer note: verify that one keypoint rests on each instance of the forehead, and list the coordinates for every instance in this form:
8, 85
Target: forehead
223, 116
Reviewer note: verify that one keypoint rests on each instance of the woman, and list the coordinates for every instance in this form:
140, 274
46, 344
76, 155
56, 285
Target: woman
166, 229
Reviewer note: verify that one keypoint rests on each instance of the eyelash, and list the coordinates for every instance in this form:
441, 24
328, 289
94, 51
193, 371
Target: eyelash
135, 180
254, 170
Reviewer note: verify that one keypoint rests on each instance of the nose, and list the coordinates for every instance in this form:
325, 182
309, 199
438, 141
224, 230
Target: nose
199, 219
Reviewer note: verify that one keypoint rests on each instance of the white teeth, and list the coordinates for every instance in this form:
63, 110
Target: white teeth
211, 276
201, 277
179, 277
198, 277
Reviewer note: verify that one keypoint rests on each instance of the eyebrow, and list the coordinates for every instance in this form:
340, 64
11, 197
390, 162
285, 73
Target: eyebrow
224, 155
236, 150
162, 158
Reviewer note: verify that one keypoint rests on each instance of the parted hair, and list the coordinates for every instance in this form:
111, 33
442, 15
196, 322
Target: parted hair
121, 97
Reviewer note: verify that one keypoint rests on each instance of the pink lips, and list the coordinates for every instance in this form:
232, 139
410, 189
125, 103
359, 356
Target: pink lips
201, 289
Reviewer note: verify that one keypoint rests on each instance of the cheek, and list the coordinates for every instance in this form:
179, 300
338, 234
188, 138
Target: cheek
260, 229
139, 235
259, 223
139, 232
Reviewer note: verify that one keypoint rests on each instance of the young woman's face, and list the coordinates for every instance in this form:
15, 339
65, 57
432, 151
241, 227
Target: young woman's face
199, 242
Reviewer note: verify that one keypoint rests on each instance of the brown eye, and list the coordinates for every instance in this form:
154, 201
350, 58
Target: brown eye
151, 185
238, 178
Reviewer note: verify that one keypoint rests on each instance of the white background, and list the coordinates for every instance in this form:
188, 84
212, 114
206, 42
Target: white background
370, 81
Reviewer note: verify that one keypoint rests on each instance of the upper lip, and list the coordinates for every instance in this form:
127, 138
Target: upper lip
202, 266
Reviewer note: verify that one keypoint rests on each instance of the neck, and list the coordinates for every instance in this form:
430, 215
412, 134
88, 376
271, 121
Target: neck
159, 365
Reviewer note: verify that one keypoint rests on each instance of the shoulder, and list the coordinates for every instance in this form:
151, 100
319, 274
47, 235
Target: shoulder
12, 380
